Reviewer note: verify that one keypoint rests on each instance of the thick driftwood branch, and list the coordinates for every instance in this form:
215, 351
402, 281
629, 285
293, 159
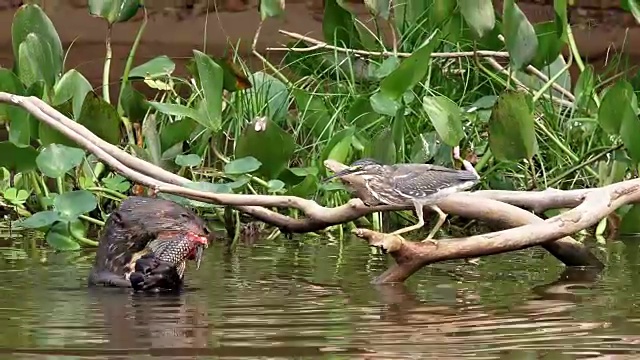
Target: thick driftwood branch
411, 256
566, 249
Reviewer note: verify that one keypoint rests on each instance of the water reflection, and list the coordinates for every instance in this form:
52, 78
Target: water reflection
293, 299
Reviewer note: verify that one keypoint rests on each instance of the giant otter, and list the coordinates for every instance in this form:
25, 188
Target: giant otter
146, 243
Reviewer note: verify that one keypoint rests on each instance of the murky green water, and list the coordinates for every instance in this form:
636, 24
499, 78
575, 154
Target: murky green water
289, 299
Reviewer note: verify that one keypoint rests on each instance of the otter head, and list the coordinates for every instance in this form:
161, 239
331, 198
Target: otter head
143, 219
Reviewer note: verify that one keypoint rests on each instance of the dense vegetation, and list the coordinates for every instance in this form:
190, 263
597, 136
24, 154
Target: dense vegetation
508, 102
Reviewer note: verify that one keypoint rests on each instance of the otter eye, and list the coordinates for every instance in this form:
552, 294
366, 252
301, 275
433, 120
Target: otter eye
185, 216
206, 230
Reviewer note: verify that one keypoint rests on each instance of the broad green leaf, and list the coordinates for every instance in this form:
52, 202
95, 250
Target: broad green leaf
630, 129
585, 87
338, 26
271, 8
520, 37
177, 132
479, 14
511, 127
18, 159
361, 113
265, 141
275, 185
243, 165
339, 147
117, 183
34, 59
211, 77
410, 71
560, 18
613, 107
383, 104
9, 83
188, 160
313, 114
55, 160
383, 148
549, 45
60, 238
446, 118
72, 204
31, 19
388, 66
73, 85
379, 8
39, 220
269, 93
114, 11
101, 118
48, 135
425, 147
157, 67
630, 224
134, 104
152, 141
202, 186
179, 110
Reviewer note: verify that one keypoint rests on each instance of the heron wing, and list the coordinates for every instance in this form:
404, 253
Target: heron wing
422, 180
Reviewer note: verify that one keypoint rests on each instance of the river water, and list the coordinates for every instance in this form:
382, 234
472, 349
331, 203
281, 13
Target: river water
311, 298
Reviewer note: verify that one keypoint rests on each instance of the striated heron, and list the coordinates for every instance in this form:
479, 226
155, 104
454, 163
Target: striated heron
418, 185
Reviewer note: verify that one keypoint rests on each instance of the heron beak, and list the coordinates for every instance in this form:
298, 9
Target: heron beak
347, 171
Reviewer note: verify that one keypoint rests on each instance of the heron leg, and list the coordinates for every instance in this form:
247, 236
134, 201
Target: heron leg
441, 218
420, 214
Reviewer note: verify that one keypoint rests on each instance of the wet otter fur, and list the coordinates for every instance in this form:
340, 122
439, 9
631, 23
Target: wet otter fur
128, 230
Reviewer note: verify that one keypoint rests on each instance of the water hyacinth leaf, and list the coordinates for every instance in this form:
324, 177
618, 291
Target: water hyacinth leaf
202, 186
339, 147
410, 71
134, 104
48, 135
479, 14
268, 92
425, 147
630, 130
511, 127
585, 87
179, 110
549, 45
313, 114
114, 11
55, 159
275, 185
39, 220
446, 118
188, 160
520, 37
101, 118
613, 107
265, 141
384, 105
389, 65
116, 183
271, 8
18, 159
31, 19
630, 224
243, 165
304, 188
159, 66
211, 76
177, 132
361, 113
9, 83
379, 8
71, 86
560, 18
60, 238
383, 148
338, 26
72, 204
34, 59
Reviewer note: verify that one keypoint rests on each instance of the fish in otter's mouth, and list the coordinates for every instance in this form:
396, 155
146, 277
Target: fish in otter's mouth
175, 248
